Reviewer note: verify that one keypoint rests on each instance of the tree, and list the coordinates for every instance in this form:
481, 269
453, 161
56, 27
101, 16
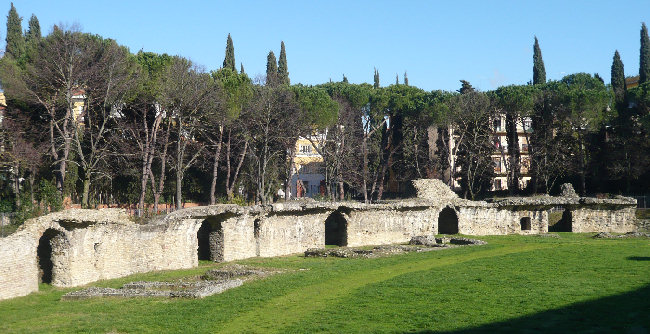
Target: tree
618, 78
539, 72
515, 102
271, 69
110, 80
235, 92
471, 114
376, 79
316, 113
57, 70
585, 110
229, 60
15, 39
345, 79
34, 32
241, 70
185, 94
466, 87
269, 120
406, 79
283, 70
644, 62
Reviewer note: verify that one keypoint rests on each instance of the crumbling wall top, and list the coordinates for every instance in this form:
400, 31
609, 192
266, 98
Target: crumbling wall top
433, 189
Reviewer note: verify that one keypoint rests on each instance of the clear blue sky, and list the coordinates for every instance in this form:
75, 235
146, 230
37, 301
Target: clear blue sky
488, 43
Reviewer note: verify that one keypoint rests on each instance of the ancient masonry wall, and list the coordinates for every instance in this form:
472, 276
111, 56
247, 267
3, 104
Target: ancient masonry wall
486, 220
620, 220
387, 225
284, 233
18, 269
90, 245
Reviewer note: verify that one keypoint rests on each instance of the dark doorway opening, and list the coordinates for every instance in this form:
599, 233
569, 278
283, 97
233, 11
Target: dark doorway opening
563, 225
526, 224
50, 240
448, 221
210, 241
336, 229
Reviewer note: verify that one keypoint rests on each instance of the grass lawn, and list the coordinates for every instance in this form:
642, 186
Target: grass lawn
513, 284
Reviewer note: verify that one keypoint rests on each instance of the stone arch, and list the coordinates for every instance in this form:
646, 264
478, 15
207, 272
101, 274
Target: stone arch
50, 244
448, 221
336, 229
210, 240
526, 224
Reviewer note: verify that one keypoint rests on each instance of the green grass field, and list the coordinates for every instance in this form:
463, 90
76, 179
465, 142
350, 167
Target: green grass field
513, 284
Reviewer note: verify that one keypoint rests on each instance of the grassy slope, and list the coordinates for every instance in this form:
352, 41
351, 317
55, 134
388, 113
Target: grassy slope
515, 282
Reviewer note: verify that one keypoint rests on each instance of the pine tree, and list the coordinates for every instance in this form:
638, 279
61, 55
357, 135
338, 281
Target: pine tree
345, 79
644, 64
376, 84
34, 32
271, 69
283, 70
229, 60
618, 78
241, 70
539, 72
466, 87
406, 79
15, 39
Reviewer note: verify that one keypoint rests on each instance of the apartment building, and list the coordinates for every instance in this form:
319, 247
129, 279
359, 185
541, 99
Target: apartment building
500, 155
308, 178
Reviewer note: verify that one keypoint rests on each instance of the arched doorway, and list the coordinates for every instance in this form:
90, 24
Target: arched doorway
50, 242
210, 240
336, 229
448, 221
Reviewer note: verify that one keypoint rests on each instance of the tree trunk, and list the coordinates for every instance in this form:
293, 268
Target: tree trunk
215, 168
84, 198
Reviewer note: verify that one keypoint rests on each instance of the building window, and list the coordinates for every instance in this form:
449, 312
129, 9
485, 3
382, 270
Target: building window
524, 147
528, 124
497, 184
497, 164
497, 125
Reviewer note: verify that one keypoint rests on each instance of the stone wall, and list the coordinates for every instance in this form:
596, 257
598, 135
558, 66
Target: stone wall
493, 220
282, 233
388, 224
18, 270
90, 245
589, 219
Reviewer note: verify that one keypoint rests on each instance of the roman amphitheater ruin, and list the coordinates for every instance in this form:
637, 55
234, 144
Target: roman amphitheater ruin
77, 247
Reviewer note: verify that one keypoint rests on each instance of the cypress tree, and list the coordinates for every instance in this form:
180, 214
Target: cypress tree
271, 69
376, 84
644, 64
539, 72
396, 79
15, 39
229, 60
34, 31
406, 79
283, 70
345, 79
618, 78
241, 70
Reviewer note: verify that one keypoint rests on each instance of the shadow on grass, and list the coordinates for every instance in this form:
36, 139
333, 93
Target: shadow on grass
639, 258
624, 313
